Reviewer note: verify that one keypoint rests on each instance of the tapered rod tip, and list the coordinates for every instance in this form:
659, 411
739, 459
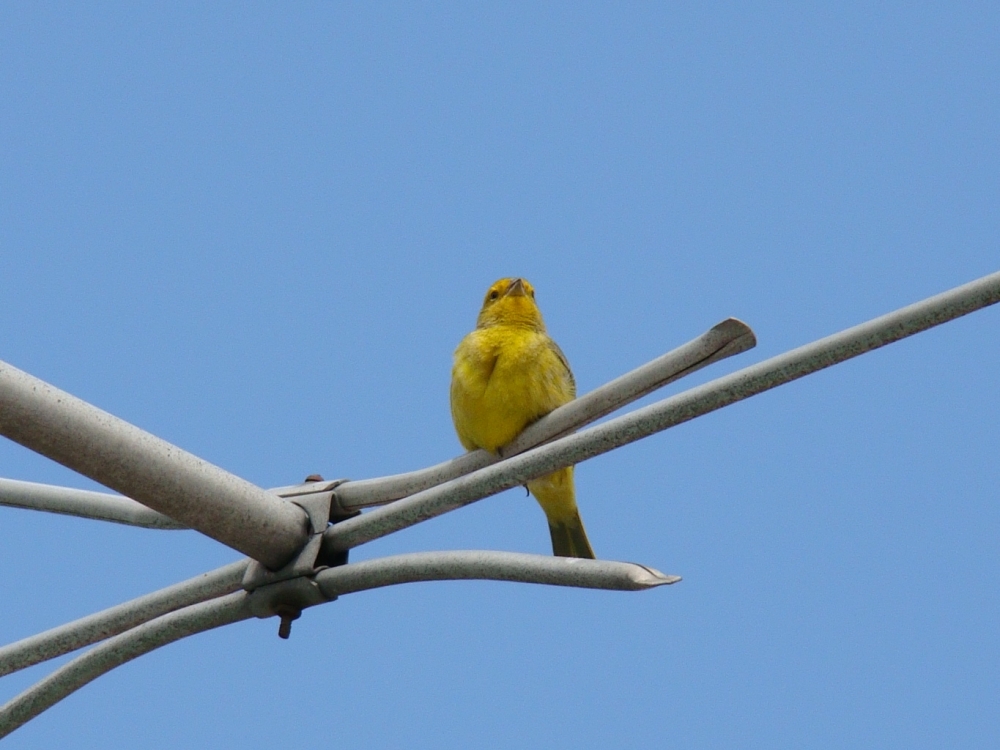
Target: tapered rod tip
741, 338
733, 327
647, 578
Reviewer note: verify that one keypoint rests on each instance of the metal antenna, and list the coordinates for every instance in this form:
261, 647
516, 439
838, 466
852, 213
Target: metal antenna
298, 537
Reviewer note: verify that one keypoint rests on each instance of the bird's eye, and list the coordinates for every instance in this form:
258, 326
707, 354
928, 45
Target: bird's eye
494, 294
532, 293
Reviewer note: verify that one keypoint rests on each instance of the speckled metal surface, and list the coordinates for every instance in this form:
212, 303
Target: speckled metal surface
184, 618
490, 565
666, 413
726, 339
118, 619
149, 470
101, 506
118, 650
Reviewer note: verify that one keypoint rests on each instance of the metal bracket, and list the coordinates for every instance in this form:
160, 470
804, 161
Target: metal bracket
314, 484
289, 590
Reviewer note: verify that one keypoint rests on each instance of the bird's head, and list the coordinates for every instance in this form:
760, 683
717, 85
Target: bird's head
510, 302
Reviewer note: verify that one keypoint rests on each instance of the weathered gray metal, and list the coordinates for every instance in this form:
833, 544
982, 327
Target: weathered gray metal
101, 506
664, 414
110, 622
119, 650
231, 608
149, 470
490, 565
726, 339
16, 387
105, 506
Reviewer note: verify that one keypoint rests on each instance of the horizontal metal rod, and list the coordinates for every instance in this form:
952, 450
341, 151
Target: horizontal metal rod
149, 470
424, 566
726, 339
489, 565
119, 650
105, 506
118, 619
333, 582
101, 506
663, 414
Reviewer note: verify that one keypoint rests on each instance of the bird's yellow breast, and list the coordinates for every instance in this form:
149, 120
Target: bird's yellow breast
503, 379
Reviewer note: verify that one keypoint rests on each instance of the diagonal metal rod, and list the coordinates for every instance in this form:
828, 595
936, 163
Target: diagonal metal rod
562, 452
145, 468
114, 620
119, 650
728, 338
664, 414
231, 608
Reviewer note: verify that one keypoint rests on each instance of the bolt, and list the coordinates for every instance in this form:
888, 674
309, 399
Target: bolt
287, 613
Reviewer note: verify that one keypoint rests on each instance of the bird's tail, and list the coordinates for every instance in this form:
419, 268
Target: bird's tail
569, 539
557, 497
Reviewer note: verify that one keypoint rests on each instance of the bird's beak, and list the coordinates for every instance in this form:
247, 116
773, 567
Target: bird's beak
516, 289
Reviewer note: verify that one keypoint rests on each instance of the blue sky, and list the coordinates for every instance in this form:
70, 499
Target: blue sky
259, 231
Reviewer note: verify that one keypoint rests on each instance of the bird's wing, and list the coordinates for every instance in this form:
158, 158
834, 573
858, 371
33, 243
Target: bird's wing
565, 364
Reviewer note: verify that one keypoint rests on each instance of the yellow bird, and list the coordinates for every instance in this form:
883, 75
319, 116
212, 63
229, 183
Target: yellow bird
507, 374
